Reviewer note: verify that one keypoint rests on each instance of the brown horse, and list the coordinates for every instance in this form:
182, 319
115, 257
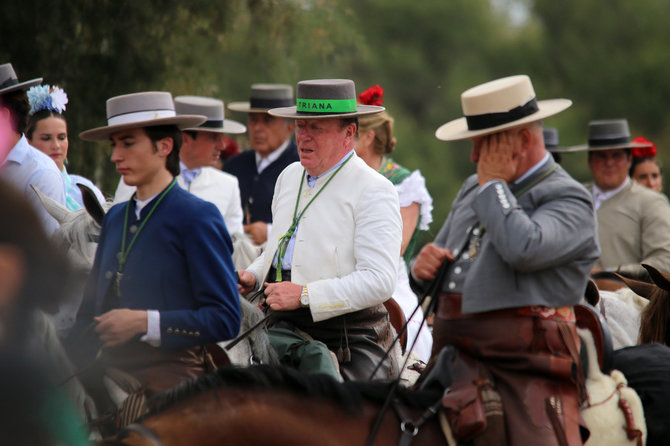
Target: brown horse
276, 406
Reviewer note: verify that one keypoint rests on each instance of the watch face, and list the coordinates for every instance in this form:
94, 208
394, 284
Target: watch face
304, 300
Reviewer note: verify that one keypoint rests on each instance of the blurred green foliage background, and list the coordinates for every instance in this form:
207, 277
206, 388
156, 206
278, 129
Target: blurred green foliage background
610, 58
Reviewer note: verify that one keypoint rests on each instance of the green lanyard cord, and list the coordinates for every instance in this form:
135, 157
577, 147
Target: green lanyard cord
284, 239
125, 252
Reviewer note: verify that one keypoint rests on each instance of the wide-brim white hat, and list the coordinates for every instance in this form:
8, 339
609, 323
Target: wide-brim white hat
263, 97
607, 134
211, 108
325, 99
144, 109
499, 105
9, 81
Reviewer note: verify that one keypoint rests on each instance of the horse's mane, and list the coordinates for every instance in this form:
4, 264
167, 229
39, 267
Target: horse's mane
350, 395
655, 317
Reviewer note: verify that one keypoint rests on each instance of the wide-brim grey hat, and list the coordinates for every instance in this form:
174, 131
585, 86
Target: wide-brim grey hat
325, 99
607, 134
263, 97
499, 105
213, 109
10, 82
145, 109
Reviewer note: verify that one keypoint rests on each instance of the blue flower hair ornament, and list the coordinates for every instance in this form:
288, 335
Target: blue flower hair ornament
46, 97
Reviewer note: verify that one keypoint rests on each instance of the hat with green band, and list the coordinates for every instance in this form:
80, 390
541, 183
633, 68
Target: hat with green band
325, 99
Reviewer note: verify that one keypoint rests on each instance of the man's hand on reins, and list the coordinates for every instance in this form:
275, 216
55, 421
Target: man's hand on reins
246, 281
429, 260
283, 296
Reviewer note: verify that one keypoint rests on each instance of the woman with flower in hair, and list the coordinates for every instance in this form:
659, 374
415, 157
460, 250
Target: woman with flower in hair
645, 168
47, 131
375, 143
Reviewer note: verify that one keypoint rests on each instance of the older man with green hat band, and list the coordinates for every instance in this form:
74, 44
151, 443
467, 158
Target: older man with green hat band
331, 259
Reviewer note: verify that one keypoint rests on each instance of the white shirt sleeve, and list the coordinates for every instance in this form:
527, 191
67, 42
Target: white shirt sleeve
153, 335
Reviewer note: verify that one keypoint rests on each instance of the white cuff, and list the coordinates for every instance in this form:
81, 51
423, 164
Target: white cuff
153, 335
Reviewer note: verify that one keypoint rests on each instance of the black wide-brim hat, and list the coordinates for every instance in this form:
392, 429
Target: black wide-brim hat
325, 99
263, 97
9, 81
607, 134
137, 110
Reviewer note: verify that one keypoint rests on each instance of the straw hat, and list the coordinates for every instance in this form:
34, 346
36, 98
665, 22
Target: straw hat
213, 109
263, 97
608, 134
9, 81
324, 99
499, 105
145, 109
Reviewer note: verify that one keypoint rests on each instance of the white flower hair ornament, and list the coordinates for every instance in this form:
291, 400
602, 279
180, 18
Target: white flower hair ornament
46, 97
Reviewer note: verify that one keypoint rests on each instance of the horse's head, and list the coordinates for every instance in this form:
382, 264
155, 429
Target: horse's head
655, 317
79, 230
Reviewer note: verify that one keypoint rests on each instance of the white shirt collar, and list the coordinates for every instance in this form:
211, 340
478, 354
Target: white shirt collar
600, 196
141, 204
262, 163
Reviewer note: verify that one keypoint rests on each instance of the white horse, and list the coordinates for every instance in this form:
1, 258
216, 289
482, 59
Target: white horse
621, 309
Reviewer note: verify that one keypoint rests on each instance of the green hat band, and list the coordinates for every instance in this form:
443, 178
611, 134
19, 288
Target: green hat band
326, 105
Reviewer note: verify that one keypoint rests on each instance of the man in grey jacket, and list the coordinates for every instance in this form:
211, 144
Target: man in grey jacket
520, 240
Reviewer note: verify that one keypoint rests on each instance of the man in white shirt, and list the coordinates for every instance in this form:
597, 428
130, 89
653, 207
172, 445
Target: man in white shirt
332, 256
22, 165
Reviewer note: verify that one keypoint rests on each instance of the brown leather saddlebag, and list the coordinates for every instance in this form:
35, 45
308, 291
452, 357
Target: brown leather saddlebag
463, 403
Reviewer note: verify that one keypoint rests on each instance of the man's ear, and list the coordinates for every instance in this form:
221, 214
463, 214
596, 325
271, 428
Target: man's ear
524, 141
165, 146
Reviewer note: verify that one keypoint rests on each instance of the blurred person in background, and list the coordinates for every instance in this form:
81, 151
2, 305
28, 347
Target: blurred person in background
374, 145
47, 132
645, 168
23, 165
40, 397
272, 150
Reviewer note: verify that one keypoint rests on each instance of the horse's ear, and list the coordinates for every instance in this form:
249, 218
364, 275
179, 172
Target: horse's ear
662, 280
91, 203
54, 208
638, 287
591, 294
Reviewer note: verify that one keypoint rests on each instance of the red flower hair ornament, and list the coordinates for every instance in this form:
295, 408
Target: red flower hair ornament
648, 151
372, 96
